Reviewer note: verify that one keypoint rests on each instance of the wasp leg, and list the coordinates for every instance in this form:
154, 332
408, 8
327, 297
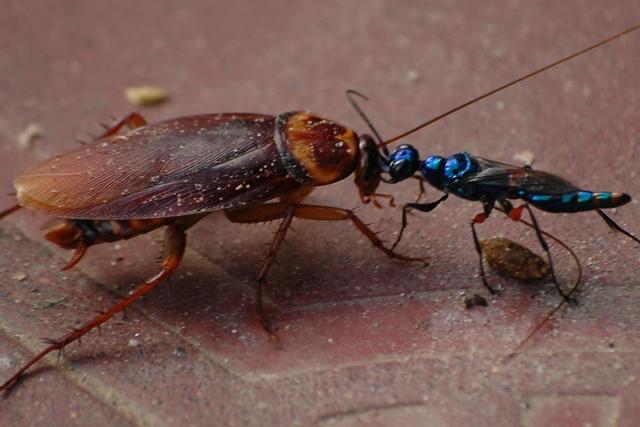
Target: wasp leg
479, 219
422, 207
476, 241
545, 246
131, 120
611, 223
175, 241
420, 187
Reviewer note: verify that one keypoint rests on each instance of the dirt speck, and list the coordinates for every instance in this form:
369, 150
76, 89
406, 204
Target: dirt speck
29, 135
146, 95
19, 276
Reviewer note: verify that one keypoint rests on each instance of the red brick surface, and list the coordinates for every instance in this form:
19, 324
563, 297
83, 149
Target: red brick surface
367, 341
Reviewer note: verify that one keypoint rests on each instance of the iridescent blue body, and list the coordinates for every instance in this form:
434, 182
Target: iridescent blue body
475, 178
491, 182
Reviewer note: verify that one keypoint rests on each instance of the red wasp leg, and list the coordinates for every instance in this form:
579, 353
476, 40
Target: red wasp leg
131, 120
175, 241
9, 211
516, 213
479, 218
328, 213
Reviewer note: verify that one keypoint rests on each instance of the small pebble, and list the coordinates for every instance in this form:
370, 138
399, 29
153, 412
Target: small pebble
19, 276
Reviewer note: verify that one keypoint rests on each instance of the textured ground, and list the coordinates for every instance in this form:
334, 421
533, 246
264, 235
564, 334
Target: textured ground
367, 341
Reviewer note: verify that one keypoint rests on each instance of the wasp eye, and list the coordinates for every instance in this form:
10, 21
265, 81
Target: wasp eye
403, 162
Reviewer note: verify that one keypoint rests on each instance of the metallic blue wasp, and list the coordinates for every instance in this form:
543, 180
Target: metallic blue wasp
491, 182
487, 181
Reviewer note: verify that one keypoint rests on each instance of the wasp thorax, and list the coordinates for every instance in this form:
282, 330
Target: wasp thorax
432, 169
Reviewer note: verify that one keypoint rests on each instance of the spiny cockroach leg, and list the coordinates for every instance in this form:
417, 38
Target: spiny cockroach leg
77, 256
328, 213
132, 121
9, 211
278, 239
175, 241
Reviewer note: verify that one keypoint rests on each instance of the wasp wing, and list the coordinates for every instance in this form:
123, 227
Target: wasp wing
177, 167
496, 176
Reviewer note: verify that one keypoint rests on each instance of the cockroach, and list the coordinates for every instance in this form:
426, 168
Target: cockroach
253, 167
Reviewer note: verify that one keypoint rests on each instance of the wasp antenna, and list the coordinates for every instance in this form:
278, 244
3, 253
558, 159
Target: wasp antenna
552, 313
516, 81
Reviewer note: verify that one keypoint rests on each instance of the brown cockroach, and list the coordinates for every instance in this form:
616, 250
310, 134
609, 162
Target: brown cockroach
253, 167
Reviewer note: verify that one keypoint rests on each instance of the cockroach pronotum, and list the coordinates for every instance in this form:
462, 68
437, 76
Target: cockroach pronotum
254, 167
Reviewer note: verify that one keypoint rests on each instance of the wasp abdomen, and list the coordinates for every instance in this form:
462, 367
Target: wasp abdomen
576, 201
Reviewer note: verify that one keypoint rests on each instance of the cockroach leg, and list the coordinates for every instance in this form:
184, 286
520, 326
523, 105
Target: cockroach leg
77, 256
264, 213
286, 211
328, 213
131, 120
266, 265
392, 202
175, 241
9, 211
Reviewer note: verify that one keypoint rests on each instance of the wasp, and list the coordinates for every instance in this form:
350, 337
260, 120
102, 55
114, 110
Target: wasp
490, 182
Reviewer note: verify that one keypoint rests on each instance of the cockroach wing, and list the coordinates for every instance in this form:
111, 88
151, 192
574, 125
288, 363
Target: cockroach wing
173, 168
